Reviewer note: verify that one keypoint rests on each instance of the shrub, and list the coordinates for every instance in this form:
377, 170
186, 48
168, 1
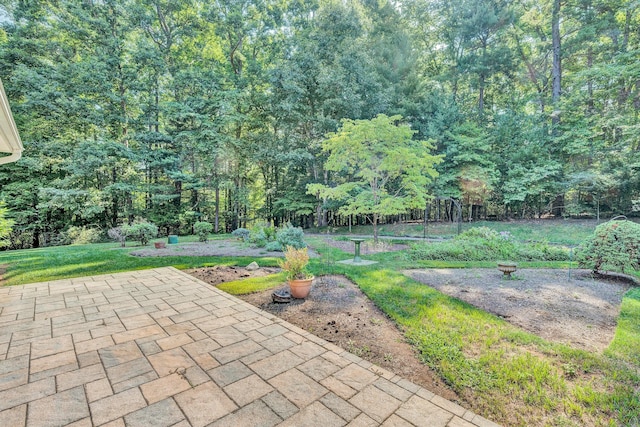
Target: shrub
485, 244
82, 235
241, 233
141, 231
118, 235
291, 236
5, 226
614, 246
202, 229
258, 237
295, 263
273, 247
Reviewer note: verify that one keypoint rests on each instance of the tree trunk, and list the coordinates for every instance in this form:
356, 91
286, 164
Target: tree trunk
375, 228
556, 87
216, 221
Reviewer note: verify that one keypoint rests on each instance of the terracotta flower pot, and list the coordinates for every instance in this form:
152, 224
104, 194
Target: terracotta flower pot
300, 288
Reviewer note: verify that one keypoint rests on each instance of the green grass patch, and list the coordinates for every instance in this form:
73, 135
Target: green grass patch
254, 284
60, 262
626, 342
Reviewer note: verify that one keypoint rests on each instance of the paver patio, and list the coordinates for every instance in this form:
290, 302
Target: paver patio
161, 348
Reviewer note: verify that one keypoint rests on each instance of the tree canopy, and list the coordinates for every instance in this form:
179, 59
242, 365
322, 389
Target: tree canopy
182, 111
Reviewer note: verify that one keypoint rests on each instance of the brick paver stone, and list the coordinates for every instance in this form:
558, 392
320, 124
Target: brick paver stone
229, 373
170, 361
120, 353
423, 413
247, 390
375, 403
174, 341
255, 414
280, 405
276, 364
298, 388
113, 407
314, 415
355, 376
59, 409
54, 361
164, 387
236, 351
14, 416
98, 389
80, 376
318, 368
41, 348
159, 414
459, 422
396, 421
27, 393
205, 404
363, 420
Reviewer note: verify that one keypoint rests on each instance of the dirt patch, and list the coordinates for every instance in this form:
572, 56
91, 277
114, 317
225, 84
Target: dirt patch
580, 310
366, 248
337, 311
220, 274
213, 248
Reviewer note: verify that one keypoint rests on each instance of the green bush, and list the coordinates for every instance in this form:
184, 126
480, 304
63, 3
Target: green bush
141, 231
258, 237
485, 244
202, 229
5, 226
291, 236
241, 233
82, 235
273, 246
614, 246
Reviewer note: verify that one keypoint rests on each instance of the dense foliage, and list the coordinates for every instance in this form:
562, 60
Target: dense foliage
202, 229
614, 246
484, 244
5, 226
191, 110
140, 231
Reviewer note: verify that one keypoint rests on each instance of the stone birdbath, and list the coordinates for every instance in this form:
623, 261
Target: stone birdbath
356, 258
507, 267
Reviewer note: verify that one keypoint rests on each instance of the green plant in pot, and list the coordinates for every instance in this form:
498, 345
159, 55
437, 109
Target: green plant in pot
295, 264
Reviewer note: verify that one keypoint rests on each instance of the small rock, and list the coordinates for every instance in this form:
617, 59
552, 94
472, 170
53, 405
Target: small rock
253, 266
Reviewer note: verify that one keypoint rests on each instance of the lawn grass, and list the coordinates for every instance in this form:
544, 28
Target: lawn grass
254, 284
502, 372
39, 265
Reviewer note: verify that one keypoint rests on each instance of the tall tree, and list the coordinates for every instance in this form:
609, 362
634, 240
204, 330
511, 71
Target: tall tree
379, 168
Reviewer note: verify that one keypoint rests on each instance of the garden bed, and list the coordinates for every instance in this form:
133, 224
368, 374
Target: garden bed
578, 310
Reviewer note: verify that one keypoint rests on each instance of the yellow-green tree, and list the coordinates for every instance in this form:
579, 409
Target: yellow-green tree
378, 168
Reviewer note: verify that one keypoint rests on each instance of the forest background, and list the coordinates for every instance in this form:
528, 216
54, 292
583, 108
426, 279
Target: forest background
177, 111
